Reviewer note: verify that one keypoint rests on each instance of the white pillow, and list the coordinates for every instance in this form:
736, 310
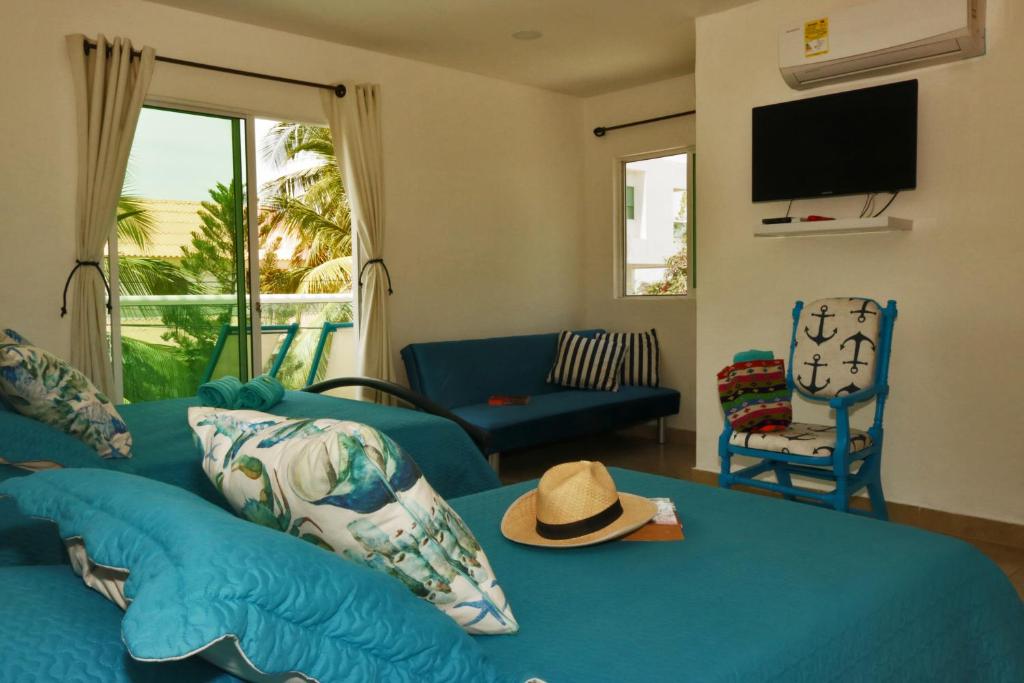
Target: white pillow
350, 489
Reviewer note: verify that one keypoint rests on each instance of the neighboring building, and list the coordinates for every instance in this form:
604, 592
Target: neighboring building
655, 212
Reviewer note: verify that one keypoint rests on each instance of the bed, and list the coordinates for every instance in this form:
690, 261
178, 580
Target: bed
164, 450
761, 589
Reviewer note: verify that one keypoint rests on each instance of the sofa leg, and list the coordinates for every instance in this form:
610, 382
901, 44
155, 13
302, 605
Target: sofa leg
661, 430
494, 460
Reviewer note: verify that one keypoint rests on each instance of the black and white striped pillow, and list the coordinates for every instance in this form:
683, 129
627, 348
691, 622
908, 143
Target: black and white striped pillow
585, 363
640, 365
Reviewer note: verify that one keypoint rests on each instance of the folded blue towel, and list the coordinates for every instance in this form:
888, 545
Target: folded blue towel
752, 354
220, 393
260, 393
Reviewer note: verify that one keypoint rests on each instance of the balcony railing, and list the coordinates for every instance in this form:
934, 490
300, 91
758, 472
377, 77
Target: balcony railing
168, 339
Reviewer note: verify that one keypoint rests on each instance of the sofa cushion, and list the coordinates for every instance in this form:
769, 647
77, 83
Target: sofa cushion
567, 414
584, 363
466, 372
642, 358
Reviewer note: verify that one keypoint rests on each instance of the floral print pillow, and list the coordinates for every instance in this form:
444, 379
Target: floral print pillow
350, 489
39, 385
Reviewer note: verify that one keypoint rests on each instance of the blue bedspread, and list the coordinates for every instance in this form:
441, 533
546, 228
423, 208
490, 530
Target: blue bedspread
761, 589
164, 450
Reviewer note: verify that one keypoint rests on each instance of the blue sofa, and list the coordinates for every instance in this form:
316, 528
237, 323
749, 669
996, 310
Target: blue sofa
462, 375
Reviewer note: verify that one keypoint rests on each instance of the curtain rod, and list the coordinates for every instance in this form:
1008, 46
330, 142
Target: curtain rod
338, 90
601, 130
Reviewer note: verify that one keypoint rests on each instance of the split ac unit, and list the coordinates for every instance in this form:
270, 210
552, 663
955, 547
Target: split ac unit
885, 35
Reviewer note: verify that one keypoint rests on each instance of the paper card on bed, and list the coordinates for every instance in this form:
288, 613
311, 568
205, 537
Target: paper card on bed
664, 526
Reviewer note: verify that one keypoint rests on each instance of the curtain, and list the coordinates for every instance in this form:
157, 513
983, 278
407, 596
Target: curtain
109, 92
355, 128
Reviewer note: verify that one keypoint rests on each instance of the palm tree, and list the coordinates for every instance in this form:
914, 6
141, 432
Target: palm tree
152, 370
141, 275
309, 206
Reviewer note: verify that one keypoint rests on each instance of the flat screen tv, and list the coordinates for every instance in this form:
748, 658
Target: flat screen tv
852, 142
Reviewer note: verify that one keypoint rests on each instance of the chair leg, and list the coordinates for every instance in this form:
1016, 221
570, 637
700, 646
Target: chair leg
782, 476
494, 460
724, 479
661, 430
875, 493
841, 497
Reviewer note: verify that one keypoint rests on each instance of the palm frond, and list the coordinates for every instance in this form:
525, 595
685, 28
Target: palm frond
135, 223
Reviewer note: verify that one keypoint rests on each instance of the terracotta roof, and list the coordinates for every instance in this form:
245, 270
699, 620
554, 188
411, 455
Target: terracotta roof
175, 220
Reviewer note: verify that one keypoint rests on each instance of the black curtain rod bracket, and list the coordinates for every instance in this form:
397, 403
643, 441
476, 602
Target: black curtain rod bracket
340, 90
601, 130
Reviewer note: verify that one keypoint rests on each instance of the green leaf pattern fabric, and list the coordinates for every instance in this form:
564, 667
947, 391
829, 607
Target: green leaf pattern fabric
348, 488
39, 385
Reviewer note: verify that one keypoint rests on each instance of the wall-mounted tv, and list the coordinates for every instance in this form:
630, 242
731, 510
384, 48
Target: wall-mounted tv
852, 142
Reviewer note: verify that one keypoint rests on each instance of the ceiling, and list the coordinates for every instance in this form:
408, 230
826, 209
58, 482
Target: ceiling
588, 46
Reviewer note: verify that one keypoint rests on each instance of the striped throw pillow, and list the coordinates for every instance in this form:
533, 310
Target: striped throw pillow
585, 363
641, 359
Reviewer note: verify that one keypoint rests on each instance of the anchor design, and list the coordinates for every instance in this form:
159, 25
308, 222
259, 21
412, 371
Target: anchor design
857, 339
858, 439
823, 450
799, 436
850, 388
821, 429
820, 338
863, 312
814, 387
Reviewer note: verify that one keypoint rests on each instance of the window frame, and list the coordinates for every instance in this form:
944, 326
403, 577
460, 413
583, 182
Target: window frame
251, 189
620, 269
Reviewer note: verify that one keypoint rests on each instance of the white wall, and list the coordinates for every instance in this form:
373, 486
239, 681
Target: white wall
480, 237
958, 279
674, 318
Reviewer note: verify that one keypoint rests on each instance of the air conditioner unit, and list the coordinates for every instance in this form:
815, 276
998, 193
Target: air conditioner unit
880, 36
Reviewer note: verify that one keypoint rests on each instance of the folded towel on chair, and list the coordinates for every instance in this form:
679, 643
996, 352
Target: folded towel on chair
220, 393
260, 393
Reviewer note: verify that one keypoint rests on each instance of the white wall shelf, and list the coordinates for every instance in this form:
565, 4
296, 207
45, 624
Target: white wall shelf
842, 226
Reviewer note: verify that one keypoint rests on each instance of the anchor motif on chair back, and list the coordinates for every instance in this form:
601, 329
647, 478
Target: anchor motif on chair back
836, 341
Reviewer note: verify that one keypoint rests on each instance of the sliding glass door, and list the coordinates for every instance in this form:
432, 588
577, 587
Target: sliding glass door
207, 283
181, 263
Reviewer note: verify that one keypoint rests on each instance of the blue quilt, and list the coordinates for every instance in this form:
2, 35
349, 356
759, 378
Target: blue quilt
165, 451
761, 589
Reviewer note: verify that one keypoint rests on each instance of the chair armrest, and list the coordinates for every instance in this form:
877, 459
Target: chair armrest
856, 397
480, 437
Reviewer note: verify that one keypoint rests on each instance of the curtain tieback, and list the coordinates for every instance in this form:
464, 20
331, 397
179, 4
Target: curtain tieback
382, 265
67, 283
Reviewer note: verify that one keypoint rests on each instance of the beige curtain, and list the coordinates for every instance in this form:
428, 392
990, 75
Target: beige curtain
355, 127
109, 92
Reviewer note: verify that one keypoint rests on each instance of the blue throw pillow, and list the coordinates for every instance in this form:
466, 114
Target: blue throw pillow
196, 579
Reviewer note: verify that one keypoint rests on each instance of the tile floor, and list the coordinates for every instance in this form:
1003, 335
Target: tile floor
638, 450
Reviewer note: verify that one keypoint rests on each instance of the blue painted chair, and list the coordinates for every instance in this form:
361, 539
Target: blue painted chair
839, 355
280, 338
326, 331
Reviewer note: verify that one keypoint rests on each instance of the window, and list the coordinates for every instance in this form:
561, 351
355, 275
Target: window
657, 225
206, 283
630, 202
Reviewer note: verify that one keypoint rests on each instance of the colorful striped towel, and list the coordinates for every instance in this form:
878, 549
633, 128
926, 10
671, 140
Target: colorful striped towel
220, 393
260, 393
754, 395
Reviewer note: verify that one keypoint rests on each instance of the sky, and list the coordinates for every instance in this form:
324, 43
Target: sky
182, 156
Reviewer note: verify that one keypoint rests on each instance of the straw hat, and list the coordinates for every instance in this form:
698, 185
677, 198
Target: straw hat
575, 504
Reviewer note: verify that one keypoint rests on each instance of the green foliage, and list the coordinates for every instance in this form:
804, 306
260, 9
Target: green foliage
153, 371
211, 258
674, 281
307, 207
